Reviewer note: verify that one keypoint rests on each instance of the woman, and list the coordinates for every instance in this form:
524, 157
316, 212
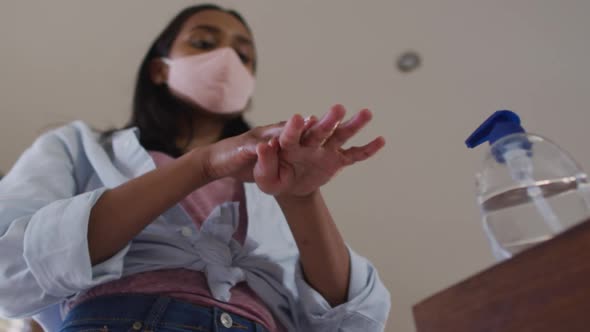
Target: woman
187, 220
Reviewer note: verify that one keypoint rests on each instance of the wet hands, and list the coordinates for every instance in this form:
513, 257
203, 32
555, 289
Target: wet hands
292, 158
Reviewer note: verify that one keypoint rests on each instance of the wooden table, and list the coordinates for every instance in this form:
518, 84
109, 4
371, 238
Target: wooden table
544, 289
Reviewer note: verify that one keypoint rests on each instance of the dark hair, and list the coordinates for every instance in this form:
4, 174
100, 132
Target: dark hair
156, 112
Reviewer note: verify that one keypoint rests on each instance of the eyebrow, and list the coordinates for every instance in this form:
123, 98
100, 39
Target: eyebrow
214, 29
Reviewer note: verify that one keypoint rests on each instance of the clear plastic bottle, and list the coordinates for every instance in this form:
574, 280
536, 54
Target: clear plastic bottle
528, 188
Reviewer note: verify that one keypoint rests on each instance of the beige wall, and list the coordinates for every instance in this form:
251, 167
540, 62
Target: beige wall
411, 209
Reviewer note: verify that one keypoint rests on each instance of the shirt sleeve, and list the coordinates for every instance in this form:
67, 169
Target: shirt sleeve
43, 229
299, 306
367, 307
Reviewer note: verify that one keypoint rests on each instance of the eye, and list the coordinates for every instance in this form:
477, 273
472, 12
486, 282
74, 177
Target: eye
245, 58
202, 44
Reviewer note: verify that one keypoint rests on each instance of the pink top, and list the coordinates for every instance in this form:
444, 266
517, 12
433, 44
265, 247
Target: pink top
189, 285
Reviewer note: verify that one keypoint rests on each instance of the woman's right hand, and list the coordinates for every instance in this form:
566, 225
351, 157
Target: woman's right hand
236, 156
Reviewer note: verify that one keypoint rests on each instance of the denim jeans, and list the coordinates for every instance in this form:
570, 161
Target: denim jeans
152, 313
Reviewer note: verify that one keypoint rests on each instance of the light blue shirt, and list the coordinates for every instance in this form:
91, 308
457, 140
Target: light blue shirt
45, 204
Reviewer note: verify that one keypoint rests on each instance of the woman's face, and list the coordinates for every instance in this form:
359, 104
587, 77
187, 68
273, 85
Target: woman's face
213, 29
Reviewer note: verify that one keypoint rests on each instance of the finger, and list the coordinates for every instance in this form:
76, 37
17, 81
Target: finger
319, 133
310, 121
356, 154
291, 135
348, 129
266, 170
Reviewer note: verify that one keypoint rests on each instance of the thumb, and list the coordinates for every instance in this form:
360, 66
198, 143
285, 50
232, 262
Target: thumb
266, 170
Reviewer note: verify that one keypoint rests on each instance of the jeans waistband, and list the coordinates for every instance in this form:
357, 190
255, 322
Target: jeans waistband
150, 312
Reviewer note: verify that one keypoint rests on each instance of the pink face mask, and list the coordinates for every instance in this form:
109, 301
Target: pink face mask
217, 81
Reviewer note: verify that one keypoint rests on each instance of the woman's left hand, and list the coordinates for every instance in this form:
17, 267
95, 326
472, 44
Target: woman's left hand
308, 153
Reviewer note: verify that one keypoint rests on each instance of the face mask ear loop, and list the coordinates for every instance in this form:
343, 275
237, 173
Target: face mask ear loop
167, 61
